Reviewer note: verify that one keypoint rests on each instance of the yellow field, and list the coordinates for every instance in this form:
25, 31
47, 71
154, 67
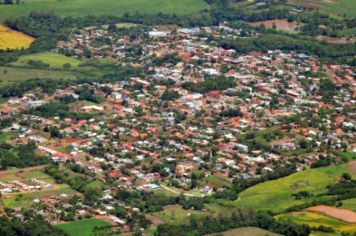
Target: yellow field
11, 39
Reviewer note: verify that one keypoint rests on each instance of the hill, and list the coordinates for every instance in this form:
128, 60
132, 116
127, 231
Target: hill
105, 7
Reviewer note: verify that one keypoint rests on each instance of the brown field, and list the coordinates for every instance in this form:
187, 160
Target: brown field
11, 39
280, 24
341, 214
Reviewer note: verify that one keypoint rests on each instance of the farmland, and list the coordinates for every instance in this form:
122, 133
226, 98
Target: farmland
176, 214
314, 219
85, 227
11, 39
276, 195
247, 231
349, 204
108, 7
53, 59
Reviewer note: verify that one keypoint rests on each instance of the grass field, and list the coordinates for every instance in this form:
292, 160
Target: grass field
314, 219
349, 204
106, 7
333, 7
10, 75
11, 39
276, 195
4, 137
54, 60
246, 231
176, 214
82, 227
25, 199
349, 32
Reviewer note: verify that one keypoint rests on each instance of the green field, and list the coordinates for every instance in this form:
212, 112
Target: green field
4, 137
82, 227
105, 7
349, 204
11, 75
176, 214
25, 199
54, 60
314, 220
334, 7
276, 195
246, 231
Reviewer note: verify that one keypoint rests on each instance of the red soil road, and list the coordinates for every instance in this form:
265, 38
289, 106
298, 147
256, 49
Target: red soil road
341, 214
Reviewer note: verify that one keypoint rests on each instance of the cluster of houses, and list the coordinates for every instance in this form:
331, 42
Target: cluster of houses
137, 139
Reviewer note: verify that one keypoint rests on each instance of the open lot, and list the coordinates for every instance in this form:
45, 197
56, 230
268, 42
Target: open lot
11, 39
107, 7
85, 227
24, 199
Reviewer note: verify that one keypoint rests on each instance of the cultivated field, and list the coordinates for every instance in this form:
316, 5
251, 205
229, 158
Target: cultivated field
246, 231
53, 59
107, 7
85, 227
349, 204
11, 39
276, 195
341, 214
315, 220
279, 24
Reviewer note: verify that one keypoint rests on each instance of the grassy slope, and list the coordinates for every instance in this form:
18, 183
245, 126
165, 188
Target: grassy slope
13, 39
276, 195
314, 219
103, 7
247, 231
55, 60
82, 227
349, 204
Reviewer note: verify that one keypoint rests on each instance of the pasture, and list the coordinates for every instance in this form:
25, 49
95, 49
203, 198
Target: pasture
54, 60
349, 204
276, 195
12, 75
336, 8
85, 227
315, 220
176, 214
246, 231
11, 39
107, 7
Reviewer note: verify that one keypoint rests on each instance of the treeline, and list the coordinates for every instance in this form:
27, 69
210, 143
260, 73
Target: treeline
20, 156
49, 86
209, 84
32, 226
343, 53
210, 224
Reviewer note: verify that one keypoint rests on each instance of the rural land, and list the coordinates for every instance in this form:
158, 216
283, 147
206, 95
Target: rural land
178, 117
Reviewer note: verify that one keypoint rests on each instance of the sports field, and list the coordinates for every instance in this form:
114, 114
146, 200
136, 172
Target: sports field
102, 7
11, 39
82, 227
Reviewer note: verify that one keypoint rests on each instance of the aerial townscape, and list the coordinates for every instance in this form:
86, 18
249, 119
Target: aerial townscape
178, 117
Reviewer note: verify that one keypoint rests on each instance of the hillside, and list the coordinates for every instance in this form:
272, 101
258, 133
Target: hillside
107, 7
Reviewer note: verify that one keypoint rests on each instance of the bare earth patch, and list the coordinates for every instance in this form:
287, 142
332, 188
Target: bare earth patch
280, 24
341, 214
340, 40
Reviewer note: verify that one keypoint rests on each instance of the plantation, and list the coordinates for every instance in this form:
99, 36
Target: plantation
53, 60
11, 39
85, 227
107, 7
277, 196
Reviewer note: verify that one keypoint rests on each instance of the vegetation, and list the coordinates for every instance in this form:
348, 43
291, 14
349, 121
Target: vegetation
85, 227
53, 60
11, 39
